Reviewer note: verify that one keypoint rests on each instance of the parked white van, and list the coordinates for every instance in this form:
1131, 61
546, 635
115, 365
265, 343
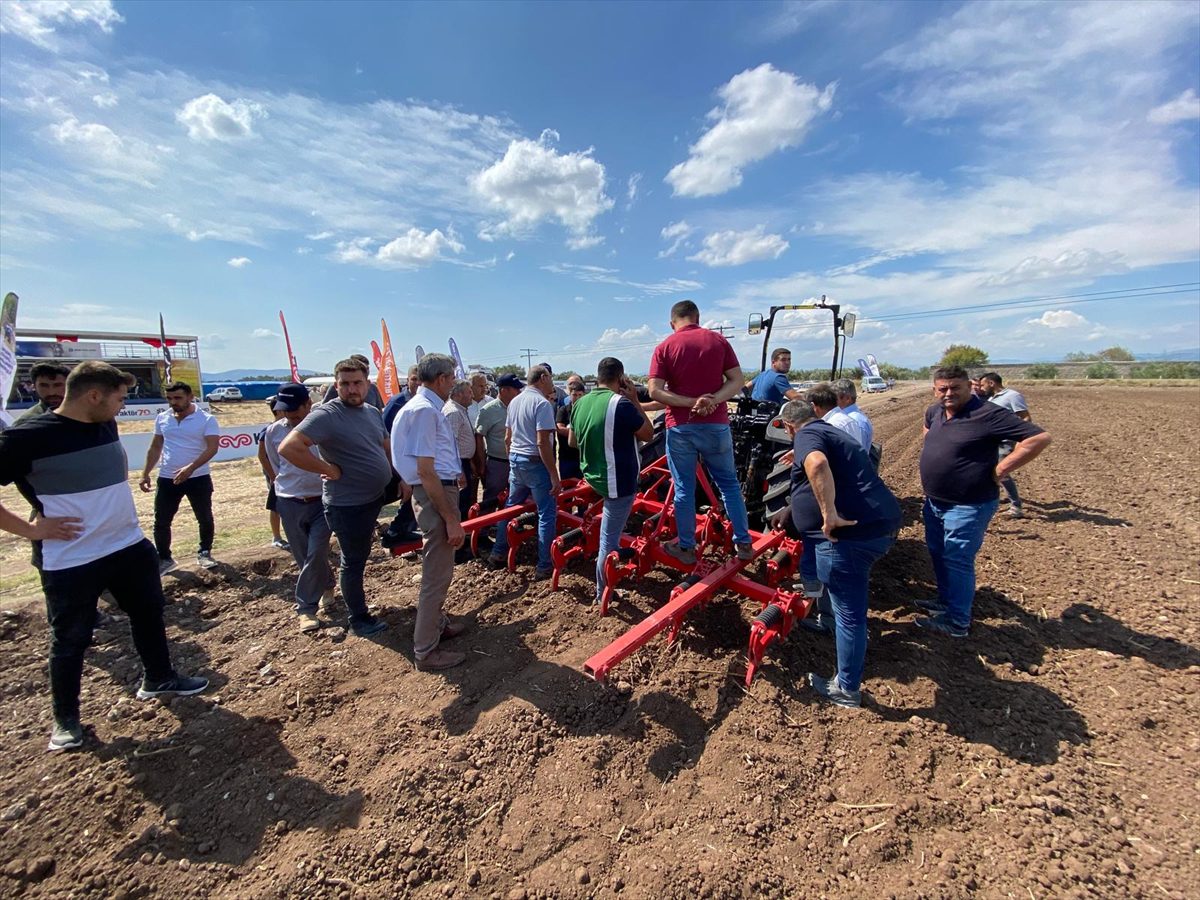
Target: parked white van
873, 384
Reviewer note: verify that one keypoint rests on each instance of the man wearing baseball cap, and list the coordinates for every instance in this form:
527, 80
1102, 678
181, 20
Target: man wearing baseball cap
298, 500
490, 425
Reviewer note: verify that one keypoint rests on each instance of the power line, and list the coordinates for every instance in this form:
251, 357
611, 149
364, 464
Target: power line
528, 356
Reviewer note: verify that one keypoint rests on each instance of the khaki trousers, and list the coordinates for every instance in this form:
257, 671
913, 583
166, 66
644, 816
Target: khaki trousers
437, 570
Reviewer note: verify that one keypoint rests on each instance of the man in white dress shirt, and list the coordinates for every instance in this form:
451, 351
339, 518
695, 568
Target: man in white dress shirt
847, 401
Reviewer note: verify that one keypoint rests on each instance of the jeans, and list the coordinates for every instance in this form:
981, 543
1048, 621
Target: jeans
714, 444
495, 479
437, 570
355, 530
199, 491
808, 574
612, 525
528, 475
844, 567
954, 533
131, 575
1010, 486
308, 536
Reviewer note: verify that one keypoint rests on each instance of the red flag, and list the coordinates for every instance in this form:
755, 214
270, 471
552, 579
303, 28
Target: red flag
391, 380
377, 355
291, 356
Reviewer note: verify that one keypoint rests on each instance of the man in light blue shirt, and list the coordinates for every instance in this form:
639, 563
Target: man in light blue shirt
425, 456
773, 385
530, 433
847, 397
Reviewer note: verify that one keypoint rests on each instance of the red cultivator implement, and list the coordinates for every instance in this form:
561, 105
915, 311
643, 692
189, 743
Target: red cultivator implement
651, 523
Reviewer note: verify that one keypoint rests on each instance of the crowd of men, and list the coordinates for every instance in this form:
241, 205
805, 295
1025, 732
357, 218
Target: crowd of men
442, 445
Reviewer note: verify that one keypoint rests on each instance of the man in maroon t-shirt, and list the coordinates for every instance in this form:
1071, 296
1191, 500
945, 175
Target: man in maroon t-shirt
696, 373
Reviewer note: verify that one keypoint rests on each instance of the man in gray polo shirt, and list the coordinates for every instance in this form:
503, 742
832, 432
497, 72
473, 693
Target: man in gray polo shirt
529, 433
491, 425
992, 389
298, 501
355, 468
427, 457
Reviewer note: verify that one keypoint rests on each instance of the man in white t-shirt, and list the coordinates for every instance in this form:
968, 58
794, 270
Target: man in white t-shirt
993, 390
185, 438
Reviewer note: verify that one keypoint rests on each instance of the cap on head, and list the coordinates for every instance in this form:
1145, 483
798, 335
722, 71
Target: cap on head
510, 381
290, 397
546, 366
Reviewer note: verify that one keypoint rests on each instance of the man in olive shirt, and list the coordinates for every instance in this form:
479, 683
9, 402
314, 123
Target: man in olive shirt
356, 469
50, 385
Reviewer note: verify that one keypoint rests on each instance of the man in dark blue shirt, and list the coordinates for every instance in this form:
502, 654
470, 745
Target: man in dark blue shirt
773, 384
838, 497
960, 477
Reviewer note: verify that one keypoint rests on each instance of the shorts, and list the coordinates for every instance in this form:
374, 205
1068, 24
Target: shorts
271, 496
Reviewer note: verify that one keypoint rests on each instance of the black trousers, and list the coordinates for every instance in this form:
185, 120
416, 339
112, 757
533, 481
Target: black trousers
199, 491
131, 575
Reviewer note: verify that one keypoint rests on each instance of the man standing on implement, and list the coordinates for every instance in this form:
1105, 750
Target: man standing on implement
696, 373
426, 456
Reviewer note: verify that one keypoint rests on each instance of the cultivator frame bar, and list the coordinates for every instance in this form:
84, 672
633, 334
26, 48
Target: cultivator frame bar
717, 568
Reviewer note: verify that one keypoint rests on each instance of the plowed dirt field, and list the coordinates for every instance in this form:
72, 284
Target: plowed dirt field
1054, 753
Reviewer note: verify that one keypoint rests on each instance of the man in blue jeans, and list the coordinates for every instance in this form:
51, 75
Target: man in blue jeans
605, 426
960, 477
695, 373
529, 434
356, 469
838, 497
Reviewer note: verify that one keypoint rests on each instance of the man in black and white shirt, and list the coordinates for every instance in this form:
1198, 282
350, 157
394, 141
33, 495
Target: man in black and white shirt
70, 465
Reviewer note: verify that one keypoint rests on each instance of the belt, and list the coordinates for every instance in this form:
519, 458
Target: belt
303, 499
450, 482
498, 459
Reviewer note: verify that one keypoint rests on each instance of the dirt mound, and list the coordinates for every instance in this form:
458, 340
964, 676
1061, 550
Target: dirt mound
1050, 754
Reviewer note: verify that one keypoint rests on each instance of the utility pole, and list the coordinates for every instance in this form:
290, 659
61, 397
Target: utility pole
721, 329
528, 356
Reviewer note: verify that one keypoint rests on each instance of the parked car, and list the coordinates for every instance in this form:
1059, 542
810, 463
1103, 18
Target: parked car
873, 384
226, 394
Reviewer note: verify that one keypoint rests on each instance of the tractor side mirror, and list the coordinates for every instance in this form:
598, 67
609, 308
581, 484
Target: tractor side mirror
756, 324
848, 321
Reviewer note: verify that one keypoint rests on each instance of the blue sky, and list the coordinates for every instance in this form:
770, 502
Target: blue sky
556, 175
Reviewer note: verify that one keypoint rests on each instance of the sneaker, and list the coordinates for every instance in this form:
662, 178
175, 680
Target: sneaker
543, 574
367, 628
829, 689
308, 623
167, 565
451, 630
440, 659
1016, 513
744, 551
399, 539
204, 558
67, 735
935, 606
812, 589
817, 623
281, 544
495, 562
177, 686
327, 601
686, 555
941, 624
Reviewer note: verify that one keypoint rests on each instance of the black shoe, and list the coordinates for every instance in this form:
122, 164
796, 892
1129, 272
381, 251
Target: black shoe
463, 555
177, 686
392, 539
941, 624
829, 689
492, 561
368, 627
935, 606
67, 735
819, 624
543, 574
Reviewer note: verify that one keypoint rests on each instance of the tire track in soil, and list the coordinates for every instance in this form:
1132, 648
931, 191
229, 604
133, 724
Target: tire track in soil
1045, 756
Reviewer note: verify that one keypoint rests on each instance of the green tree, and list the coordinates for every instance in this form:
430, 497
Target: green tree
510, 369
964, 355
1115, 354
1042, 370
1080, 356
1101, 370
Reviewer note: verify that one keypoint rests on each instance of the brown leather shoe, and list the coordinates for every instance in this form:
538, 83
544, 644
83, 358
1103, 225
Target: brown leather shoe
440, 659
453, 630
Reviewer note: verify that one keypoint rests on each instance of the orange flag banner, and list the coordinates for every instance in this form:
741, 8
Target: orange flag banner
388, 373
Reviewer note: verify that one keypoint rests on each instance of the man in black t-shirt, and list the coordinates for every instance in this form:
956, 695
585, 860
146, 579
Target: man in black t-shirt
960, 477
568, 456
70, 465
838, 498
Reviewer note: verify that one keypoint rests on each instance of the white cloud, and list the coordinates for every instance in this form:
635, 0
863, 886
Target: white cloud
105, 151
239, 262
209, 118
677, 233
264, 333
303, 251
412, 250
1059, 318
631, 189
764, 110
106, 100
584, 242
533, 183
601, 275
615, 338
1084, 262
214, 342
320, 236
37, 20
734, 248
1182, 109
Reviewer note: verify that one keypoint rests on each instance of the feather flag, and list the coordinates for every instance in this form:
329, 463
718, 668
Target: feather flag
291, 356
162, 333
460, 371
377, 356
391, 381
8, 352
